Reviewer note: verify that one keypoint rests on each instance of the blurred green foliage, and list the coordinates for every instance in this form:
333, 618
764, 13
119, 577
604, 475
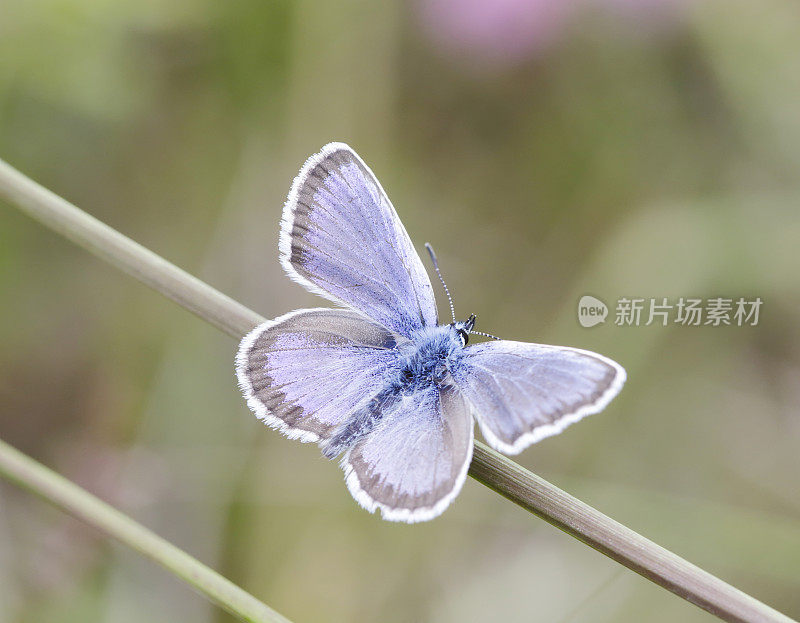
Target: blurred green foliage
642, 149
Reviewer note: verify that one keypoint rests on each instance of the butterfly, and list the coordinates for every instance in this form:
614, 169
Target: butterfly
380, 382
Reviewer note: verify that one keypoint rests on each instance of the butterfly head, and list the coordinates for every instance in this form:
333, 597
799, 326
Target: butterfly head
463, 328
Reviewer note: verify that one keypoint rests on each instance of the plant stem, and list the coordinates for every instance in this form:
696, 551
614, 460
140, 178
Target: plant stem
616, 541
36, 478
490, 468
129, 256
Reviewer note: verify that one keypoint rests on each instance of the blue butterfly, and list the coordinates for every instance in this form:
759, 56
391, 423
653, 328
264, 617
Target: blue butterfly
381, 382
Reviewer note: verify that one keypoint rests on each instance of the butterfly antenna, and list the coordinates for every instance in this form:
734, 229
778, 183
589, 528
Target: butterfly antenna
494, 337
446, 291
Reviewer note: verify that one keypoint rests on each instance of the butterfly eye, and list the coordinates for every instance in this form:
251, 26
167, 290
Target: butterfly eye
464, 336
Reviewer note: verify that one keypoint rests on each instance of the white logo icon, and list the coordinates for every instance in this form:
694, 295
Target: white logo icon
591, 311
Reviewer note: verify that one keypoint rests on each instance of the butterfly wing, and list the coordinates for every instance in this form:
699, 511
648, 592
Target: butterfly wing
415, 462
306, 372
522, 393
341, 238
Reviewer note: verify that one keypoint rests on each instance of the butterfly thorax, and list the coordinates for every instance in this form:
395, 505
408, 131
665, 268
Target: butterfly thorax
425, 359
428, 357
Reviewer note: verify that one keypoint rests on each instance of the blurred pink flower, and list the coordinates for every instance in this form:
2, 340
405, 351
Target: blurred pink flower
494, 32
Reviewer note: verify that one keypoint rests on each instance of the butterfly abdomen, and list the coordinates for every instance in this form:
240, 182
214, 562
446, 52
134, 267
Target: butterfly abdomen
423, 362
360, 423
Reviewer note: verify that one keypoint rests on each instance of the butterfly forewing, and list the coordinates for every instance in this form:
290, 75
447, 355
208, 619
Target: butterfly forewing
306, 372
342, 238
522, 393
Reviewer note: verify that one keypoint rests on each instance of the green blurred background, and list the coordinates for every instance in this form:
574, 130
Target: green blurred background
609, 147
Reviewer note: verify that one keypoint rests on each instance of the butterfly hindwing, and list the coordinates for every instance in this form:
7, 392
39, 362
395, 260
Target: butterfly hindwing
341, 238
415, 462
522, 393
306, 372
